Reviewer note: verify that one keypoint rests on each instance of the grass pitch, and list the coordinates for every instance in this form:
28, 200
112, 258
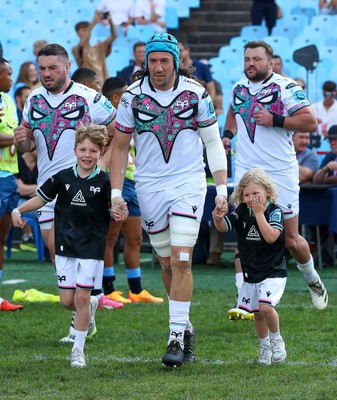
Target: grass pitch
123, 360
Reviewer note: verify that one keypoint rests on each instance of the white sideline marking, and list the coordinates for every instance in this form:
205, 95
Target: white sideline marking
13, 281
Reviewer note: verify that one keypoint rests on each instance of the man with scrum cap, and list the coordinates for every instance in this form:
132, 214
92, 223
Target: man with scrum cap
167, 113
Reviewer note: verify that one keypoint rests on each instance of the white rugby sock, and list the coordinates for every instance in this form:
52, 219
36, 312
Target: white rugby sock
179, 316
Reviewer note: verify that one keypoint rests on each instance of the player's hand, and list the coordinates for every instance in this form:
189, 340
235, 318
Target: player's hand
262, 116
119, 209
226, 144
221, 207
20, 134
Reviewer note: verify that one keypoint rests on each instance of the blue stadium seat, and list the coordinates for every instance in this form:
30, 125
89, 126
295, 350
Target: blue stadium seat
37, 236
328, 52
239, 40
285, 6
183, 8
171, 18
142, 32
328, 21
331, 41
302, 41
289, 31
309, 3
255, 31
307, 11
278, 43
300, 21
231, 52
118, 59
193, 3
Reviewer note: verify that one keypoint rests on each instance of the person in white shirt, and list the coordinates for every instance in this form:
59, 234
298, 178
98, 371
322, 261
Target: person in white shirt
151, 13
326, 110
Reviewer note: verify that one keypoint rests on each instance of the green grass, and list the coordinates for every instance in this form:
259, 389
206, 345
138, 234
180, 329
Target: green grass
123, 361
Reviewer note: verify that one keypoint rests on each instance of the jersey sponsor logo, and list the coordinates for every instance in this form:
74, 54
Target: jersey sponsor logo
78, 199
95, 189
52, 122
165, 122
245, 103
253, 234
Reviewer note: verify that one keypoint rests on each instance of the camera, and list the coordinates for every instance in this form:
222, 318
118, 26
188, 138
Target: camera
105, 15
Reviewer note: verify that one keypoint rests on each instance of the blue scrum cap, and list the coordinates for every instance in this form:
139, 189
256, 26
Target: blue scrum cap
163, 42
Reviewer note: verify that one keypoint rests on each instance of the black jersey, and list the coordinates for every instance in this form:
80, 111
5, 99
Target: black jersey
259, 259
81, 212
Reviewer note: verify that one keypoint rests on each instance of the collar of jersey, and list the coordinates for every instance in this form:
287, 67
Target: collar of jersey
96, 172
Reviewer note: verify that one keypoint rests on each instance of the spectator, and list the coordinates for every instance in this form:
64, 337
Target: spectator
87, 77
307, 158
264, 10
9, 195
277, 65
37, 46
327, 173
201, 71
300, 83
28, 76
21, 94
326, 110
151, 13
121, 12
138, 55
328, 7
93, 57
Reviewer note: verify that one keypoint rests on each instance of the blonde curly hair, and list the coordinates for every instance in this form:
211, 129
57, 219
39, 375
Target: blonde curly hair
97, 134
258, 176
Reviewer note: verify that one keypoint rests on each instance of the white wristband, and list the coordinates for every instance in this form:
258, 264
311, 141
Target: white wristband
222, 189
115, 193
16, 211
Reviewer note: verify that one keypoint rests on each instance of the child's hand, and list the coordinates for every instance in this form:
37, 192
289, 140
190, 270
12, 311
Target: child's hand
18, 222
258, 205
221, 208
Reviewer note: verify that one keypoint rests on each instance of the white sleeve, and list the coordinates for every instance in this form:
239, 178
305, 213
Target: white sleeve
216, 154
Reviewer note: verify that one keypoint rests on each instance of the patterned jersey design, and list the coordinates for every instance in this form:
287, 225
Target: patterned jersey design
52, 122
245, 103
165, 122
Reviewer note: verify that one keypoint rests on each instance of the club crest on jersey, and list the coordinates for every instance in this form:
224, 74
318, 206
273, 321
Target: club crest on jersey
95, 189
245, 103
52, 122
165, 122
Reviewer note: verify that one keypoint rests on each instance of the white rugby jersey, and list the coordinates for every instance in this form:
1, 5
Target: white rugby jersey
269, 148
54, 119
165, 126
